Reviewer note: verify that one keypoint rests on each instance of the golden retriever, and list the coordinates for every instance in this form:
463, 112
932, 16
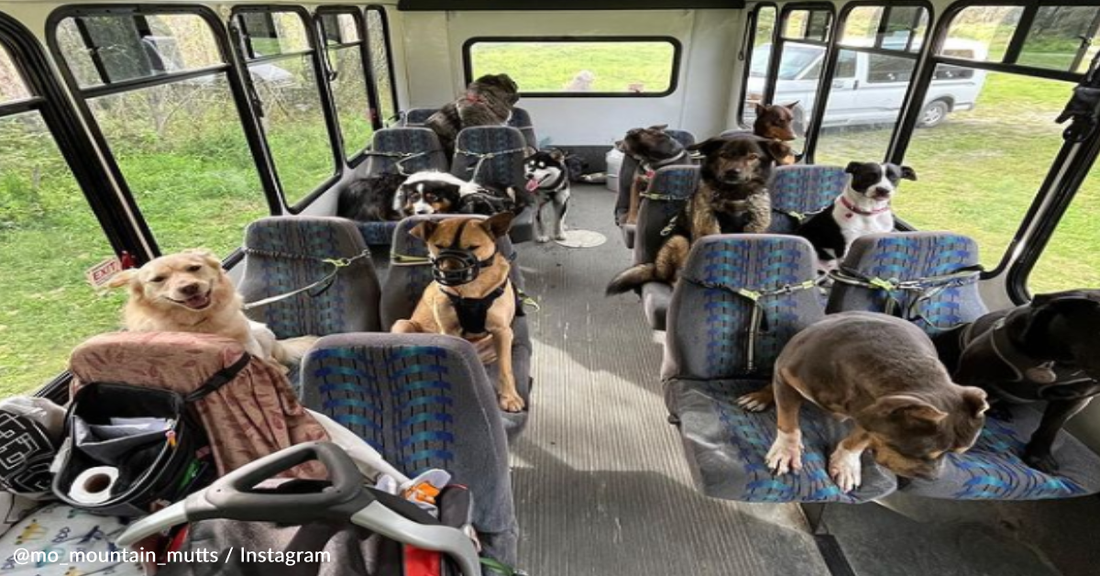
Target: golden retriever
190, 292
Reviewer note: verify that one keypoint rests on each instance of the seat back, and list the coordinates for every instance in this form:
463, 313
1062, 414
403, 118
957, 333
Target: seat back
930, 278
716, 329
521, 120
417, 116
405, 151
410, 271
423, 401
630, 166
287, 253
798, 190
490, 155
670, 188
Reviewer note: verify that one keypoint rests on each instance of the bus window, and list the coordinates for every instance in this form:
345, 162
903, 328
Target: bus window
759, 59
872, 77
280, 58
177, 138
378, 35
1058, 37
345, 49
48, 239
990, 27
1071, 259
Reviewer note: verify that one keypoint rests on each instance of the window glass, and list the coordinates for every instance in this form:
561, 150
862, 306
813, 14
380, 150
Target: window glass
48, 238
906, 27
564, 67
982, 32
110, 49
1072, 257
981, 167
379, 49
1057, 35
759, 59
349, 83
808, 25
861, 26
286, 83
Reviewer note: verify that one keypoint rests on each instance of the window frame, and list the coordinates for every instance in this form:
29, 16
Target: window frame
368, 81
324, 95
81, 97
1023, 250
383, 17
674, 79
748, 48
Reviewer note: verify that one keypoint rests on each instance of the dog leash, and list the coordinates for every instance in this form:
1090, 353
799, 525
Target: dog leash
323, 284
403, 157
924, 287
759, 313
483, 156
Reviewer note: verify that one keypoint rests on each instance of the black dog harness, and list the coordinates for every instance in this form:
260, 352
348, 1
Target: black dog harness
473, 313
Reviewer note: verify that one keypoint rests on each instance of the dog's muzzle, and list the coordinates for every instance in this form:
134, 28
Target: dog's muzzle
457, 266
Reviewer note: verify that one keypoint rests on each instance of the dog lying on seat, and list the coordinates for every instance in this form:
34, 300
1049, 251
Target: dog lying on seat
1046, 350
488, 102
190, 292
471, 296
653, 148
432, 192
903, 404
732, 197
371, 199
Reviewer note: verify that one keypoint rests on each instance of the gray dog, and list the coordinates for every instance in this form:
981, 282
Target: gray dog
488, 102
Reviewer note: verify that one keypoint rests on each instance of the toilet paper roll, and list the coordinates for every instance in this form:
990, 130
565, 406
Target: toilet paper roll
94, 485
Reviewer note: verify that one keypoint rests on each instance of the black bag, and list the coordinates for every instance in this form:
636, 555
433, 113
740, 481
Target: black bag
147, 438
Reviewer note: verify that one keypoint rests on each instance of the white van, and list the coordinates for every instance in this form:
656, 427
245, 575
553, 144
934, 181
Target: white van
867, 88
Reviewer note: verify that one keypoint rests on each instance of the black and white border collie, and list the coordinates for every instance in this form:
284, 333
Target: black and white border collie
432, 192
548, 180
863, 208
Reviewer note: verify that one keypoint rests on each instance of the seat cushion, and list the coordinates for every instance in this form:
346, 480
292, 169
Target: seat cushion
726, 447
377, 233
993, 468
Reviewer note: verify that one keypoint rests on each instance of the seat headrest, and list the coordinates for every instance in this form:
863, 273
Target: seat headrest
312, 236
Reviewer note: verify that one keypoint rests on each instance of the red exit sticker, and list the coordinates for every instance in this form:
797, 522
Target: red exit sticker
99, 274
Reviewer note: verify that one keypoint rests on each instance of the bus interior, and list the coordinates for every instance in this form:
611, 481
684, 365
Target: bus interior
130, 131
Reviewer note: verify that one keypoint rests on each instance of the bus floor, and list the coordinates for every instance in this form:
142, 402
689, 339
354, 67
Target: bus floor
602, 486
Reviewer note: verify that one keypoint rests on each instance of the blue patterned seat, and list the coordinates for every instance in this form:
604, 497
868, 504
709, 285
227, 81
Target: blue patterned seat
493, 155
405, 151
798, 190
521, 120
287, 253
930, 278
423, 402
626, 179
417, 116
670, 188
721, 343
410, 273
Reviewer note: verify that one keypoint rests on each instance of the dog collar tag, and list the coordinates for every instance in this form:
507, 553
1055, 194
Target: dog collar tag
1041, 374
848, 215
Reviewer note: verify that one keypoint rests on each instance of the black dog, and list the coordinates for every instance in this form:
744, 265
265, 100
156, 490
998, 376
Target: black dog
653, 148
1047, 350
548, 180
371, 199
732, 197
433, 192
863, 208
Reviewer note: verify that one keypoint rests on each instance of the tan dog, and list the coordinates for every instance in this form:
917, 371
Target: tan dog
190, 292
883, 373
471, 296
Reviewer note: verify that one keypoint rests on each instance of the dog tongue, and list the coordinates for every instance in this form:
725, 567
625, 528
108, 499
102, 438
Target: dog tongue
197, 302
532, 185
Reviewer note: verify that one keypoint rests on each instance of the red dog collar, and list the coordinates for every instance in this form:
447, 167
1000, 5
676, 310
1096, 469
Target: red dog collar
852, 208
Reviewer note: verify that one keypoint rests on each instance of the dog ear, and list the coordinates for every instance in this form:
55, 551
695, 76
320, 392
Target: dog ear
707, 146
557, 155
909, 408
975, 400
791, 105
424, 230
853, 167
760, 108
123, 278
498, 224
659, 127
908, 173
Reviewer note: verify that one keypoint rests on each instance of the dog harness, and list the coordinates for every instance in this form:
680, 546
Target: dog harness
473, 313
647, 170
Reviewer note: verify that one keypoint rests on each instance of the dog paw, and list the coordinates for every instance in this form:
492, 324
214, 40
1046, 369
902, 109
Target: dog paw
559, 236
757, 401
785, 454
542, 239
511, 403
846, 469
1041, 460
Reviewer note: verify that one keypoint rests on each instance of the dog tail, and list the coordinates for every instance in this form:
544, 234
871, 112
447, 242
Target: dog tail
291, 351
631, 278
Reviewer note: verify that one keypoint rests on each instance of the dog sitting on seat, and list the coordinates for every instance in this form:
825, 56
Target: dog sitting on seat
488, 102
471, 296
1043, 351
881, 372
190, 292
732, 197
653, 148
775, 121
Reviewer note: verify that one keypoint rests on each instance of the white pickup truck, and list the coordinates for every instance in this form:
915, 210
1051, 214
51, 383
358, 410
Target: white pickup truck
867, 88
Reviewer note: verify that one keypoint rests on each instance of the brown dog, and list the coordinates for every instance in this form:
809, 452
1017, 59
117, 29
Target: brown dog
732, 198
653, 148
471, 296
190, 292
883, 373
775, 121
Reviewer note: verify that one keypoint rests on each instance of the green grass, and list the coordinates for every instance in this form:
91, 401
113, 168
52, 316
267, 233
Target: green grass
615, 66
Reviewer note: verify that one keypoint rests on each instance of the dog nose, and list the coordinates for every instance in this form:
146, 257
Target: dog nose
882, 192
190, 289
733, 173
422, 211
